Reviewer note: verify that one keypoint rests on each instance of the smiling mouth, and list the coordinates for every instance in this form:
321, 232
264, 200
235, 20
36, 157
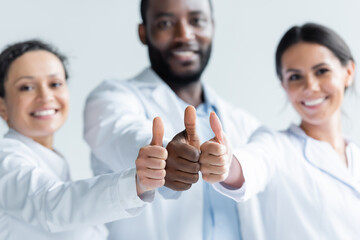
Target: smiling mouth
44, 113
314, 102
184, 53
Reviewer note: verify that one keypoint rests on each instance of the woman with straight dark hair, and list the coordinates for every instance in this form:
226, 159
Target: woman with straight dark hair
307, 177
38, 200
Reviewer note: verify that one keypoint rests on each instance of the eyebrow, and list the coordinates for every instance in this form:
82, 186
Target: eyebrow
292, 70
197, 13
319, 65
314, 67
166, 14
163, 14
33, 78
24, 77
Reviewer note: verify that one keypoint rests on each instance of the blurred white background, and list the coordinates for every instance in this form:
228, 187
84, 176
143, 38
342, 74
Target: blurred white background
100, 39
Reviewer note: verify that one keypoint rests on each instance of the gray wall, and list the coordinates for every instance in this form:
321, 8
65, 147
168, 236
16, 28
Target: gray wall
100, 38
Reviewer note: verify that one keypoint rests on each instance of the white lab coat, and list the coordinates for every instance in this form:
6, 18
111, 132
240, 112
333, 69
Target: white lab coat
38, 200
305, 190
118, 121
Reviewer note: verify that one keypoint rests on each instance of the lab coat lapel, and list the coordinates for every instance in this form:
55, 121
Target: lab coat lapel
168, 102
226, 121
322, 156
164, 97
54, 163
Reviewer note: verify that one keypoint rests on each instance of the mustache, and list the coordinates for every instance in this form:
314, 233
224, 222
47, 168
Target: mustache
185, 47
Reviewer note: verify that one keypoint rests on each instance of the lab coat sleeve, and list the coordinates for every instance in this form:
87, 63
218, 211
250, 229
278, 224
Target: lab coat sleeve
259, 160
116, 126
36, 197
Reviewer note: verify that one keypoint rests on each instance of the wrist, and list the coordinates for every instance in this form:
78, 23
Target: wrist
235, 178
139, 190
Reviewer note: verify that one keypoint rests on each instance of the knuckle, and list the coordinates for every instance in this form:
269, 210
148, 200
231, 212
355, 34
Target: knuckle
196, 167
221, 161
204, 146
204, 169
162, 164
164, 153
185, 187
161, 174
195, 154
159, 183
172, 145
223, 169
194, 178
202, 159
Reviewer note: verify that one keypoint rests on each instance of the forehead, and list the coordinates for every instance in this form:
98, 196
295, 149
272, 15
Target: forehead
178, 7
307, 54
38, 62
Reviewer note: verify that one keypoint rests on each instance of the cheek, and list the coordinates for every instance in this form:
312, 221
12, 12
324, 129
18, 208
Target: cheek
63, 98
292, 94
160, 39
205, 36
336, 86
17, 106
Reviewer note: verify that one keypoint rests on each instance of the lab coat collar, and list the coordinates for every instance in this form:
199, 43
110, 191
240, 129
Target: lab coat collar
149, 78
322, 156
166, 98
54, 161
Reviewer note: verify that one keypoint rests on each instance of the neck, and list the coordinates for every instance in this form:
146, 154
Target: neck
191, 93
329, 131
46, 141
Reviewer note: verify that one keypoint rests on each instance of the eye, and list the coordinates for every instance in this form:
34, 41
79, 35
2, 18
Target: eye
294, 77
26, 88
198, 21
164, 24
56, 84
321, 71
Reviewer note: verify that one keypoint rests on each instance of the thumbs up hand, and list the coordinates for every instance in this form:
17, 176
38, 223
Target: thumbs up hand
182, 165
190, 127
151, 161
216, 154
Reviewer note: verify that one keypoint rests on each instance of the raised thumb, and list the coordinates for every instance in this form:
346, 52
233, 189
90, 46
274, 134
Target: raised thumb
190, 127
216, 127
157, 132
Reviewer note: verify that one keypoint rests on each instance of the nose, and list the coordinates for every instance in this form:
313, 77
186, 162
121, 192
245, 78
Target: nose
312, 84
44, 93
184, 32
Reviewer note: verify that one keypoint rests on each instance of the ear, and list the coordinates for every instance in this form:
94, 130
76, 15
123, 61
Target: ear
142, 33
3, 112
350, 70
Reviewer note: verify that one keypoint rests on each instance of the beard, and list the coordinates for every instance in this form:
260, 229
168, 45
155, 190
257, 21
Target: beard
160, 65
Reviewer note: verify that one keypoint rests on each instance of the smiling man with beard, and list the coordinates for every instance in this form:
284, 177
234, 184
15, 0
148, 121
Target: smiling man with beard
118, 120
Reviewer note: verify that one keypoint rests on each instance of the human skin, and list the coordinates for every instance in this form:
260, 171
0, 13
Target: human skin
37, 98
180, 34
315, 81
36, 105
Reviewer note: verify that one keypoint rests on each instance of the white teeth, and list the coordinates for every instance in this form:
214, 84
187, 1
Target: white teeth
183, 53
314, 102
44, 113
